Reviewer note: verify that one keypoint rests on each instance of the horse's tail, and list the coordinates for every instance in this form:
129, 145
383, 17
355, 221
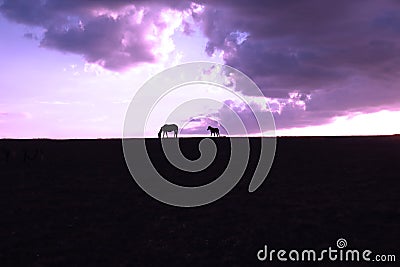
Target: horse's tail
159, 133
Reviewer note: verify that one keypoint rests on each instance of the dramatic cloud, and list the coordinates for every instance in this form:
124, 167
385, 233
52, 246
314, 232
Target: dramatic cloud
344, 54
339, 57
114, 34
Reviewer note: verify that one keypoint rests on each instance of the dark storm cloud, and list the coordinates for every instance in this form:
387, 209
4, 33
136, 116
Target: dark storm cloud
48, 12
345, 54
100, 42
304, 43
74, 26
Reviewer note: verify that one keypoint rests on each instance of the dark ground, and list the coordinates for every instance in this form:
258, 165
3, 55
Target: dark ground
74, 203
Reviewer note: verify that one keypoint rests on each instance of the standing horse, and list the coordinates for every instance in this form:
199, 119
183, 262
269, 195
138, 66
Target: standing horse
214, 131
168, 128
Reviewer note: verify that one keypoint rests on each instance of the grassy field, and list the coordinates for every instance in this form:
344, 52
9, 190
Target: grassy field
74, 203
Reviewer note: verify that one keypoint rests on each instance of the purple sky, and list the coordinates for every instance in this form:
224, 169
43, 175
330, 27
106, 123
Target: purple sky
70, 68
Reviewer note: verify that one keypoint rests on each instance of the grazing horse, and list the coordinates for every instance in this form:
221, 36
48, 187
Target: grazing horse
214, 131
168, 128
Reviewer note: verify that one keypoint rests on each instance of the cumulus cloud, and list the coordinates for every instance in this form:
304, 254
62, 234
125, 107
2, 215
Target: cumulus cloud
115, 34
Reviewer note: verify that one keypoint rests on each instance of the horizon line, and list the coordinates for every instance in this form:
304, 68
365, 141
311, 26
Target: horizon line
188, 137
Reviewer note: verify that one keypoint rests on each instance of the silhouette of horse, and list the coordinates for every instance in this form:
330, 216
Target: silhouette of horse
168, 128
214, 131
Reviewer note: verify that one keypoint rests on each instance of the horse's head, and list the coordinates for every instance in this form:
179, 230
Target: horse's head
209, 128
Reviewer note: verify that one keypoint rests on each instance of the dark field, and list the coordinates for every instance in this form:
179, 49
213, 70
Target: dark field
74, 203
